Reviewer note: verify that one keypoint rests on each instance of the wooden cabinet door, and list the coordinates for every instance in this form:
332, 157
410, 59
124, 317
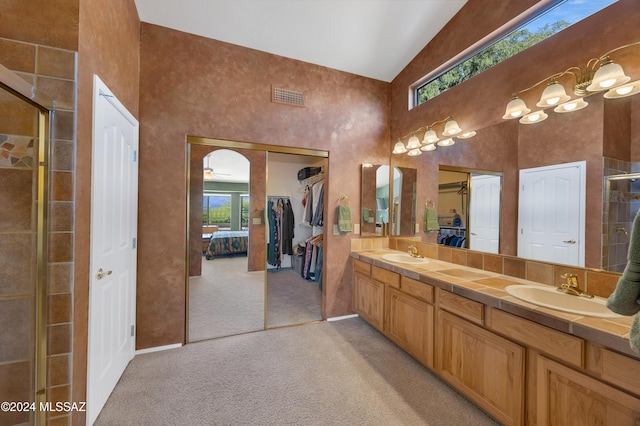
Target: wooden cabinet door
368, 300
486, 368
567, 397
409, 323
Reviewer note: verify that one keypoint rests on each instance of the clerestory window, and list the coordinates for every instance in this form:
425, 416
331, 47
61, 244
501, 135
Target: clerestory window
549, 21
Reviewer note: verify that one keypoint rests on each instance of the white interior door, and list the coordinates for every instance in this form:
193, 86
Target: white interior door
112, 285
484, 213
551, 213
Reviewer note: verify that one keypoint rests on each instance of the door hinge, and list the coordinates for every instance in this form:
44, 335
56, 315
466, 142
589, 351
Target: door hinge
134, 243
133, 330
135, 155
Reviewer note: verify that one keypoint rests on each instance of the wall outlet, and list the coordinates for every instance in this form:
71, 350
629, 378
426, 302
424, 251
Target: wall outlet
356, 228
257, 221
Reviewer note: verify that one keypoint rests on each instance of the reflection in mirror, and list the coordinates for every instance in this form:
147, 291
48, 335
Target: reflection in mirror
374, 200
469, 209
225, 297
403, 209
622, 204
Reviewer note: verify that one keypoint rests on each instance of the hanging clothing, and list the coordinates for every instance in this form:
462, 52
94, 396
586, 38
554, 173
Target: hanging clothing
318, 203
288, 227
308, 206
311, 257
271, 252
274, 247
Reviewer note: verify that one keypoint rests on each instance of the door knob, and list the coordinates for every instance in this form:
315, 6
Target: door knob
570, 241
101, 274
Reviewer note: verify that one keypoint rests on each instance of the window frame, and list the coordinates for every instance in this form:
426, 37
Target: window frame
503, 31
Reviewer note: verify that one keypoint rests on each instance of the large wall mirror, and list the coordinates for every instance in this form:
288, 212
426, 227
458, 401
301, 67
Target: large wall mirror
469, 209
374, 200
388, 200
594, 144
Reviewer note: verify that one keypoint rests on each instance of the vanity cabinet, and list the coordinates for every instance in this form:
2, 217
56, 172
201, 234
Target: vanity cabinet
567, 397
517, 370
368, 300
487, 368
401, 309
409, 321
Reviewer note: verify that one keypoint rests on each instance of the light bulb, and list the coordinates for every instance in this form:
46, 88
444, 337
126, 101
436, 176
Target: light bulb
624, 90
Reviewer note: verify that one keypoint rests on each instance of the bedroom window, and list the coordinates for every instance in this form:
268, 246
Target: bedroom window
494, 49
216, 210
244, 212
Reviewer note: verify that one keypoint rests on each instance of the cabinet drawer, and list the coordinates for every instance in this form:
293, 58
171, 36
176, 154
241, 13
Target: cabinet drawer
560, 345
461, 306
567, 397
417, 289
362, 267
387, 277
621, 371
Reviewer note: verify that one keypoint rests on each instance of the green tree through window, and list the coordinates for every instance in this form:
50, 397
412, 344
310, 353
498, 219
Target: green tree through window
216, 210
497, 52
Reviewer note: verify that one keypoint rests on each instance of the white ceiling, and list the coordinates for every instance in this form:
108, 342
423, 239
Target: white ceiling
371, 38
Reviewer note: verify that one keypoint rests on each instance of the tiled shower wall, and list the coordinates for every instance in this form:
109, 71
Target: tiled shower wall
53, 72
621, 201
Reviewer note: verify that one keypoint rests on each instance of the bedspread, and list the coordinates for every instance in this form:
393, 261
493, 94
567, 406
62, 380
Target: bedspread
227, 242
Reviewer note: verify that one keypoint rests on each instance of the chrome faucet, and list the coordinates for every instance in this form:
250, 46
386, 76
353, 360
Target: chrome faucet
570, 286
413, 251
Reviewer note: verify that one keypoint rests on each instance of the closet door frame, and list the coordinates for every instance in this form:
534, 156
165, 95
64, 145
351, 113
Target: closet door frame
221, 143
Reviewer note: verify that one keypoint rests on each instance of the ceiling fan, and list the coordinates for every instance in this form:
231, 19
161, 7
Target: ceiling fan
209, 174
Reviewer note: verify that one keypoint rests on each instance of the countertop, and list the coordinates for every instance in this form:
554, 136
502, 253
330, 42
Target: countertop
489, 288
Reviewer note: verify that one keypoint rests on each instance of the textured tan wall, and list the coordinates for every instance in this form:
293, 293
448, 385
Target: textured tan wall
199, 87
51, 23
108, 40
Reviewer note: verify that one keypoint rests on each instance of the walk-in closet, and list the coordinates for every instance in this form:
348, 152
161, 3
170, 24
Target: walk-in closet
295, 208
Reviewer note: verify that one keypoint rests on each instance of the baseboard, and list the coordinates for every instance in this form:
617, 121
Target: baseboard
343, 317
158, 348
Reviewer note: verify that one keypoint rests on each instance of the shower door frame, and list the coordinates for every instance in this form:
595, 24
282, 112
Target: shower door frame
25, 92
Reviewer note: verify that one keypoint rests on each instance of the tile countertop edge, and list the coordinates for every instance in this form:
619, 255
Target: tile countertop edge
545, 318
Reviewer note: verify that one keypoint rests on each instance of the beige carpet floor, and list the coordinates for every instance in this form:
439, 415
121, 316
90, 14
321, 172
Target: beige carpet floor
291, 299
226, 299
324, 373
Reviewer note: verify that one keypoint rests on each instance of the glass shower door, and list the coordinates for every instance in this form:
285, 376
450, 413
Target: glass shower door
22, 250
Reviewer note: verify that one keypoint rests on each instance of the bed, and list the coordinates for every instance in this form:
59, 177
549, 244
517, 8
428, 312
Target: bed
227, 242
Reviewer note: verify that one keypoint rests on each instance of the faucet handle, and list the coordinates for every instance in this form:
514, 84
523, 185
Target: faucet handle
572, 279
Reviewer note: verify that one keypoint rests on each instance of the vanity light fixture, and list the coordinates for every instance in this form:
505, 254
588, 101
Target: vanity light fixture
624, 90
534, 117
572, 105
599, 74
399, 148
430, 139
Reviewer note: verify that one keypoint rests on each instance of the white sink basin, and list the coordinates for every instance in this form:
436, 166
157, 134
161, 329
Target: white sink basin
403, 258
548, 297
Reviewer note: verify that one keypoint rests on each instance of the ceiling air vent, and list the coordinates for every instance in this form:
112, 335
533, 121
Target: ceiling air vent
287, 97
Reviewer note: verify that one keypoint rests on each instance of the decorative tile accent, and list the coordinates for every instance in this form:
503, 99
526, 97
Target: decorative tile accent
17, 151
